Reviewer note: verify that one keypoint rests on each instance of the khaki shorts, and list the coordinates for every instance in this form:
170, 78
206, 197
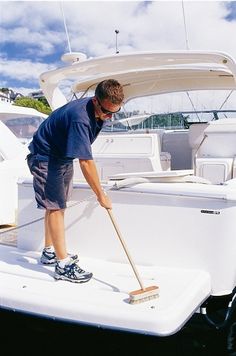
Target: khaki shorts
52, 182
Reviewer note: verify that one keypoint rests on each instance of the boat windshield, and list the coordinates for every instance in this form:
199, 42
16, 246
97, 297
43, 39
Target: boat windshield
176, 110
24, 127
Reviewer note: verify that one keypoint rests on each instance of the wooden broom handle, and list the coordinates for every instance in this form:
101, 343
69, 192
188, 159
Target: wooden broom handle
125, 248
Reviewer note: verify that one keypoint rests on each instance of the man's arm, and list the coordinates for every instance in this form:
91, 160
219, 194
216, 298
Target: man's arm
89, 171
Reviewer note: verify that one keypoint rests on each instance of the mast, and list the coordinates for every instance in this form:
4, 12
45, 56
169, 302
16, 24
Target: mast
65, 26
117, 31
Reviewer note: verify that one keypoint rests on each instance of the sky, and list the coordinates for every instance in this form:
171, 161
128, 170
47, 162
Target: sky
33, 36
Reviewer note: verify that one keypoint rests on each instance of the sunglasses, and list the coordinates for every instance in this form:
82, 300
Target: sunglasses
105, 111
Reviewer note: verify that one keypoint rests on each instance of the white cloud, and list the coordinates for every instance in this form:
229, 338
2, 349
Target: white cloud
157, 25
23, 70
91, 25
34, 43
24, 91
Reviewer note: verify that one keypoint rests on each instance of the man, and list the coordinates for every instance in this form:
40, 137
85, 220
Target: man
65, 135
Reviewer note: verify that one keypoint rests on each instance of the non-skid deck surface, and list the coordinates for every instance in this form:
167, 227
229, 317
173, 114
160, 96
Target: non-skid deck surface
28, 286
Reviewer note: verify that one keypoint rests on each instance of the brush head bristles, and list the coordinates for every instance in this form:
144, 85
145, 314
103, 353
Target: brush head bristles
143, 295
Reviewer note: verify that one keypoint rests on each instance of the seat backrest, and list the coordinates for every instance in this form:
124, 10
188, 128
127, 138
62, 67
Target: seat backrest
221, 139
124, 153
215, 157
195, 136
176, 143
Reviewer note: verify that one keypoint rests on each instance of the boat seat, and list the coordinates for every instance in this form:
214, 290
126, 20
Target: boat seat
195, 136
124, 153
216, 151
177, 176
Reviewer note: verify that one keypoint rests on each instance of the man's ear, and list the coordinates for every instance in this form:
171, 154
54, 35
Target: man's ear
95, 103
94, 99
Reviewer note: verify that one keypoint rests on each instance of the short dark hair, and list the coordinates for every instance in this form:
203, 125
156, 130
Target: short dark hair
110, 89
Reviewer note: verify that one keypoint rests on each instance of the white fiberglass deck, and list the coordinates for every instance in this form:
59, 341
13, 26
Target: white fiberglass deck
28, 286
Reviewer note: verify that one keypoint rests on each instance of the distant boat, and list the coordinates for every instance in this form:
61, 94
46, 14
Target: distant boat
17, 126
22, 121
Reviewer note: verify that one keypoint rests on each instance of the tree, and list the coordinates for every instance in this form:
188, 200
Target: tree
43, 100
4, 90
33, 103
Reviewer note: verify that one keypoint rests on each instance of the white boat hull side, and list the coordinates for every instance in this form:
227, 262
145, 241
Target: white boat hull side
10, 171
179, 225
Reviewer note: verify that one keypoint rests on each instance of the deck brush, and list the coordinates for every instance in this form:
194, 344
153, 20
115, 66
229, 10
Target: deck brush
145, 293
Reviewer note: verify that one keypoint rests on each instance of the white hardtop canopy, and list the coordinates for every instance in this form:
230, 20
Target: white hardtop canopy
8, 111
143, 73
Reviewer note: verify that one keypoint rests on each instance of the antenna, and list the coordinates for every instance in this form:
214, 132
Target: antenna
185, 27
187, 47
117, 31
64, 21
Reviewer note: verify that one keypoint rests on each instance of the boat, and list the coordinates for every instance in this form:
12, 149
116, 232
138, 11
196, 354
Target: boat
179, 224
22, 121
17, 125
12, 166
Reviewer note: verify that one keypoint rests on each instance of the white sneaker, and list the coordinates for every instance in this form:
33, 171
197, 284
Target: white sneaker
72, 273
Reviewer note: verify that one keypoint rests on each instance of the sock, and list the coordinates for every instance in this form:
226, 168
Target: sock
63, 262
49, 248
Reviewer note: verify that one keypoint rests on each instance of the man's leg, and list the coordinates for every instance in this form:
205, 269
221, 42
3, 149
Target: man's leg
55, 232
66, 267
48, 239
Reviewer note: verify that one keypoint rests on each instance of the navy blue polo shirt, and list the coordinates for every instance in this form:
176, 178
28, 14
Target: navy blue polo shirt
68, 132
